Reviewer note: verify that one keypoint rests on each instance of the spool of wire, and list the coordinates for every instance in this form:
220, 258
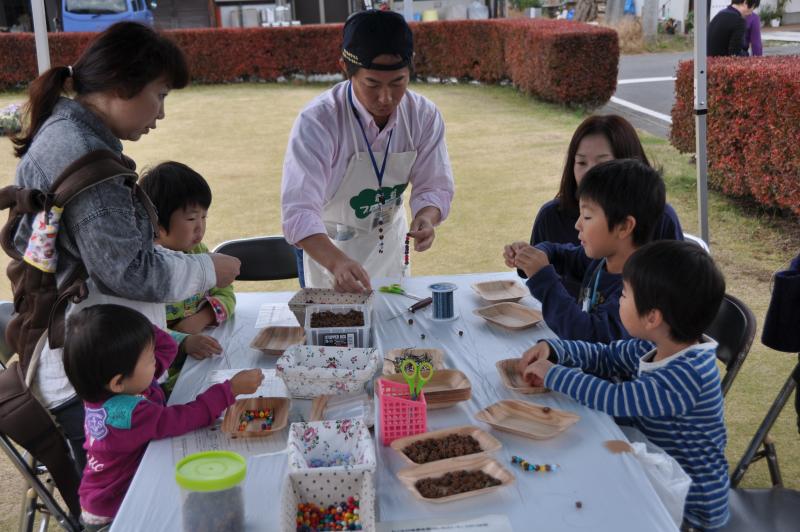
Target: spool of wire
443, 306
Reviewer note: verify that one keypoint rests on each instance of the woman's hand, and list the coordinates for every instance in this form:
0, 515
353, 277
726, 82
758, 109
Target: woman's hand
226, 268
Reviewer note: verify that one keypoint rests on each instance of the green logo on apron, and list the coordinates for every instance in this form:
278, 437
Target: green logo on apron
367, 199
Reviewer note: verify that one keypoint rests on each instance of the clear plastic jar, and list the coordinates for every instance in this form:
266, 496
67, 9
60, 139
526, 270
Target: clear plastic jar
211, 492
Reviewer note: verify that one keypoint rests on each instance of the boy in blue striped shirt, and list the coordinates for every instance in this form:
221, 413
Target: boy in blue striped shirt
669, 382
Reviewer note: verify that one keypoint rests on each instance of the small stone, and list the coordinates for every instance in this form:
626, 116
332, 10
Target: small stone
422, 336
578, 505
461, 333
410, 321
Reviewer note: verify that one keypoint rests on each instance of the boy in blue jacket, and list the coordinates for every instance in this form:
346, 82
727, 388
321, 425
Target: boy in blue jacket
620, 203
665, 380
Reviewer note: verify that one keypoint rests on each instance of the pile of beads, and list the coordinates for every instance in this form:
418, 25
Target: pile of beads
344, 516
263, 417
527, 466
337, 459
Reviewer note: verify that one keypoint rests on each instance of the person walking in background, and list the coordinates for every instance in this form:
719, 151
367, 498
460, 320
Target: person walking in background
752, 36
726, 31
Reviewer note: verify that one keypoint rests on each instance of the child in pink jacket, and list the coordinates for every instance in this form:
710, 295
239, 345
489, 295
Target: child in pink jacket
113, 357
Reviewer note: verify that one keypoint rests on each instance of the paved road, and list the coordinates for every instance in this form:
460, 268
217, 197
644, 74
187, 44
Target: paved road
646, 81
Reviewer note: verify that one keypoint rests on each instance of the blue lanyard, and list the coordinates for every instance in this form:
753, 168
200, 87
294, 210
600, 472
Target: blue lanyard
593, 296
378, 173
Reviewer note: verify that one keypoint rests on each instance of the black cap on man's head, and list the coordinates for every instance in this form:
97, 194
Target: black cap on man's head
368, 34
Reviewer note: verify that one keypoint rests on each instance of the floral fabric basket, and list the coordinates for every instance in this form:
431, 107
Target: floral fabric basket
310, 371
340, 444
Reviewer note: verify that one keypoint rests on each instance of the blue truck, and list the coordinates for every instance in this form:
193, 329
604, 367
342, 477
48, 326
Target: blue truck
97, 15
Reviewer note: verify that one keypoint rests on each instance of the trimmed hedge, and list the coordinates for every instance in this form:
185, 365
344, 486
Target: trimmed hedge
753, 127
558, 61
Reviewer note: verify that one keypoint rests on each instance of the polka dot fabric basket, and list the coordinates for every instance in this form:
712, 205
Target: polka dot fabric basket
340, 444
310, 371
326, 296
326, 488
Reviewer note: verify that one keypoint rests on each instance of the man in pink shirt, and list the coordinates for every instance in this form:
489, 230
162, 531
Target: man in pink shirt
352, 153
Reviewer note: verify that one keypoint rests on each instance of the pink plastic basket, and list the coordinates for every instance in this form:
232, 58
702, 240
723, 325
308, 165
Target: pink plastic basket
399, 415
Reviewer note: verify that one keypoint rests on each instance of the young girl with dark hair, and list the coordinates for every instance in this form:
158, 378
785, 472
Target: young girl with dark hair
113, 356
118, 87
598, 139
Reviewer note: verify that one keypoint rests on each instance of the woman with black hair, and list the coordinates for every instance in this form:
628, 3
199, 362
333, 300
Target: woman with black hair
118, 87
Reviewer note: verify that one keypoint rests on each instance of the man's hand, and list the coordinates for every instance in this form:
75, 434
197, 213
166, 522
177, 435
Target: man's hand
350, 276
195, 323
422, 227
422, 232
201, 346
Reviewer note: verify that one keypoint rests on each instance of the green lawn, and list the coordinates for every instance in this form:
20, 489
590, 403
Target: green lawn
507, 151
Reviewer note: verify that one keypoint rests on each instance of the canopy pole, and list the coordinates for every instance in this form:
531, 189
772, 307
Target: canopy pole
40, 35
701, 113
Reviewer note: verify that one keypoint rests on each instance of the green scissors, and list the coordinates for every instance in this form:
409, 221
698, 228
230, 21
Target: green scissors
416, 375
397, 289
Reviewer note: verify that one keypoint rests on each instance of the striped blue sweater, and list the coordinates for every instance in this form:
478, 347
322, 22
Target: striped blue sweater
676, 403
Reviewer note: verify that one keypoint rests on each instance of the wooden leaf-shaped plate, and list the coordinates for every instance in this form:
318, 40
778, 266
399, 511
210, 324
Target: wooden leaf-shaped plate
512, 379
527, 419
230, 424
487, 442
275, 340
500, 291
408, 477
512, 316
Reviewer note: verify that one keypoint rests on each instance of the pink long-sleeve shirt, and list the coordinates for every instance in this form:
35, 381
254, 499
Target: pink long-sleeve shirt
321, 145
119, 429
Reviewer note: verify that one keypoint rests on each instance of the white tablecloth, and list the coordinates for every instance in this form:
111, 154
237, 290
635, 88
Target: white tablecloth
614, 493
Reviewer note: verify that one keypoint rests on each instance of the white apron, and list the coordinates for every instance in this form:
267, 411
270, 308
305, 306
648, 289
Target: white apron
351, 216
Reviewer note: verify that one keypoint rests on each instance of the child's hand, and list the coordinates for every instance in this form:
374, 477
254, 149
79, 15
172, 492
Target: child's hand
530, 260
246, 381
538, 351
536, 372
195, 323
200, 346
510, 253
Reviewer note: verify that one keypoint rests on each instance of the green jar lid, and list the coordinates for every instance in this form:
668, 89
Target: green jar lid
210, 471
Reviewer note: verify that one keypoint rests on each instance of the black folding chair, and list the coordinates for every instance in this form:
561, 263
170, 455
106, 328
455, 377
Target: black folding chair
39, 496
733, 328
264, 258
774, 509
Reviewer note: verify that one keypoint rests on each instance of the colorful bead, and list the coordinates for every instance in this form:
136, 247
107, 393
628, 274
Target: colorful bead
343, 516
264, 417
527, 466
